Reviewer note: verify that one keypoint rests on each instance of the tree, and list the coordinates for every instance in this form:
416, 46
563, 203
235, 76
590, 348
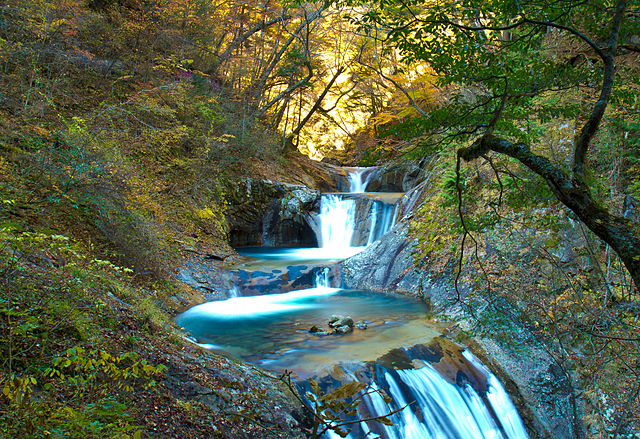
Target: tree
501, 59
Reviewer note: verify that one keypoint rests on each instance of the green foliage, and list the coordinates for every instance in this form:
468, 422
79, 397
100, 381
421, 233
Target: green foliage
628, 133
53, 296
17, 389
336, 410
449, 185
119, 144
104, 419
88, 369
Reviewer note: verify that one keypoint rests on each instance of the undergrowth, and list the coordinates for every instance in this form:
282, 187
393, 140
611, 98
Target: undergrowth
61, 374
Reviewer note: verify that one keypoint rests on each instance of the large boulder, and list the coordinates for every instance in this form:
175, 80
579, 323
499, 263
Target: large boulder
336, 321
341, 324
264, 212
384, 265
286, 221
400, 176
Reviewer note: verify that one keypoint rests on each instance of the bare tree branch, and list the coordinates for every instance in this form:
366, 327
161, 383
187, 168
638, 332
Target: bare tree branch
242, 38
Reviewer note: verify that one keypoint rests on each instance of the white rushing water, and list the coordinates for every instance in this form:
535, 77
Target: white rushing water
257, 306
500, 401
322, 278
383, 217
359, 178
337, 221
234, 291
436, 408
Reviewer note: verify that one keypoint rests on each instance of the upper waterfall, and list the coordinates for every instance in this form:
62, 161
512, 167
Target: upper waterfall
359, 178
354, 219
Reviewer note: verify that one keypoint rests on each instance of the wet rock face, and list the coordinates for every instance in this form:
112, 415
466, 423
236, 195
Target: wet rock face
204, 275
271, 280
361, 325
384, 265
315, 330
263, 212
285, 222
399, 177
221, 386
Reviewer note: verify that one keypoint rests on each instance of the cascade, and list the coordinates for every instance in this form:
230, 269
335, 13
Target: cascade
437, 408
272, 329
343, 223
258, 306
337, 221
382, 220
322, 278
234, 291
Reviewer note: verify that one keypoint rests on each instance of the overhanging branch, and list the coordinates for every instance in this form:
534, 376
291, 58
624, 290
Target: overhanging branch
616, 231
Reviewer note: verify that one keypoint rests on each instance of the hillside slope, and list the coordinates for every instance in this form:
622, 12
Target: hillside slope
114, 163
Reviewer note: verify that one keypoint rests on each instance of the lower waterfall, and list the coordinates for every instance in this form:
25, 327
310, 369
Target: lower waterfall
427, 405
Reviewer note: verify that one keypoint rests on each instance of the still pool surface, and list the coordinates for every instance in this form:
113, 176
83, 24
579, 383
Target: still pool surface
273, 330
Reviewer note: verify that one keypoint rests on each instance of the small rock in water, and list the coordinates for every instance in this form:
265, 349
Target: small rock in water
344, 329
336, 321
315, 330
361, 324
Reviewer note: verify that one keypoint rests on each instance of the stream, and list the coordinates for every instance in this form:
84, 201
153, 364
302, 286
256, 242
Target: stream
280, 293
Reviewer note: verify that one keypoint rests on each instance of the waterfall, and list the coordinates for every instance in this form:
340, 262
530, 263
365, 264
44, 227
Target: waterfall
357, 181
234, 291
337, 221
500, 401
374, 220
259, 306
437, 408
382, 220
322, 278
